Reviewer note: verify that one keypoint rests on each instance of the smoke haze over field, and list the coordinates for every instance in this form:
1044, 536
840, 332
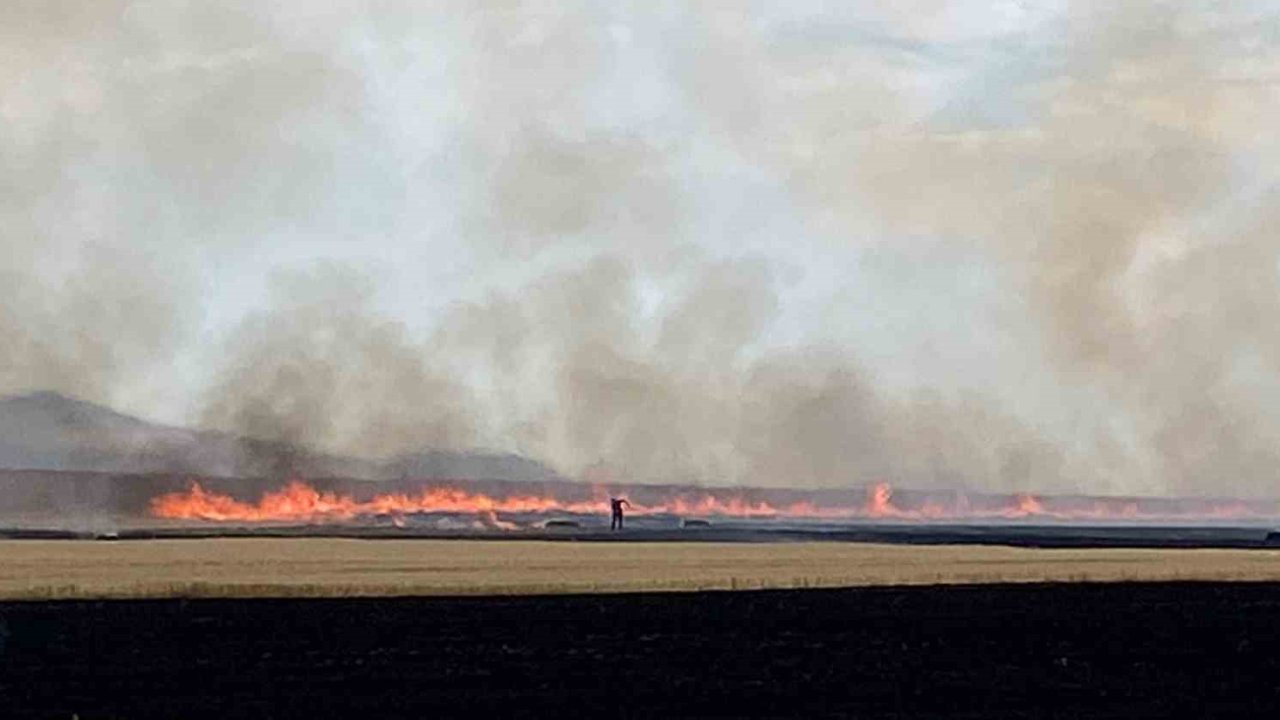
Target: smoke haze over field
992, 246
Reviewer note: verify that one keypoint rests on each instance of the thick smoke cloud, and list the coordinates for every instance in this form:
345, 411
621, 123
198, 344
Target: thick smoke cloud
575, 193
323, 371
575, 369
1115, 201
137, 139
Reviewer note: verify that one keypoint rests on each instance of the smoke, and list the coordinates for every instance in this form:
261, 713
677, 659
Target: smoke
634, 244
321, 370
576, 369
137, 140
1114, 202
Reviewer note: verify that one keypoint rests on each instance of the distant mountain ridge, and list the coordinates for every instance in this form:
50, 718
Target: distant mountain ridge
49, 431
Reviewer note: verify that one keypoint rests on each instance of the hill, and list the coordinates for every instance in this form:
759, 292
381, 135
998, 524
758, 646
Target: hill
50, 431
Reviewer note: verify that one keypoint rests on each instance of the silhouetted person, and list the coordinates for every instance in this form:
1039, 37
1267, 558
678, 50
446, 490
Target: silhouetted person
617, 503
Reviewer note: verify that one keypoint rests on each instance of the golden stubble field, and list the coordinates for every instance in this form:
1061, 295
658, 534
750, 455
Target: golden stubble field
323, 567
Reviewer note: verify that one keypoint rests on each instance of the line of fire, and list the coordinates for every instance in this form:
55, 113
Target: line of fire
510, 506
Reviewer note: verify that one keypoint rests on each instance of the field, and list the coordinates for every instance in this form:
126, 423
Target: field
327, 628
1114, 650
328, 567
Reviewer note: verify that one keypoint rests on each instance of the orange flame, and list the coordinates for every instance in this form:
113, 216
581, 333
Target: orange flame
299, 502
880, 501
1027, 505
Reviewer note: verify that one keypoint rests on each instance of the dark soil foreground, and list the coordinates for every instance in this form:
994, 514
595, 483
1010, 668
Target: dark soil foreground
1064, 651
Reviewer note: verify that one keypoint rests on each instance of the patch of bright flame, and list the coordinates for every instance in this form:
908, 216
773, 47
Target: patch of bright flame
298, 502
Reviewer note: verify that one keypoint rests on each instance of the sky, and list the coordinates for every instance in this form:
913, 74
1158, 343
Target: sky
1003, 245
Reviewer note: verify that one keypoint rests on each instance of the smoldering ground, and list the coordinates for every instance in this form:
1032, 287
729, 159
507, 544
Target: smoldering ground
640, 243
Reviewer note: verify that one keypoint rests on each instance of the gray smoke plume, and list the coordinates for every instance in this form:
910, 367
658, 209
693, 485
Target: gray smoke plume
322, 371
138, 140
574, 369
1118, 210
616, 219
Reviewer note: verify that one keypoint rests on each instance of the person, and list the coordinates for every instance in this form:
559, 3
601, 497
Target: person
617, 503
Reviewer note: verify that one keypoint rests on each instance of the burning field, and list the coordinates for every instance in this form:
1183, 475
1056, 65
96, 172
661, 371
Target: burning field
55, 504
84, 504
512, 507
316, 538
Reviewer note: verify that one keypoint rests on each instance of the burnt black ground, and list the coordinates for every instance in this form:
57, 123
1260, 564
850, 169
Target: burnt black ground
1043, 651
668, 529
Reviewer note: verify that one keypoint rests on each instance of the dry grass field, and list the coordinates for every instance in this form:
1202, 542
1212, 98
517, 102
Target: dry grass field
337, 567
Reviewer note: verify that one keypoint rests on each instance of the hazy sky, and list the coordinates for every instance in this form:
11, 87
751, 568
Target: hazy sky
1059, 214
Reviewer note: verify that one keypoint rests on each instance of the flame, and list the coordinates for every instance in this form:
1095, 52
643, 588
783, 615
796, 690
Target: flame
880, 501
298, 502
1027, 505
